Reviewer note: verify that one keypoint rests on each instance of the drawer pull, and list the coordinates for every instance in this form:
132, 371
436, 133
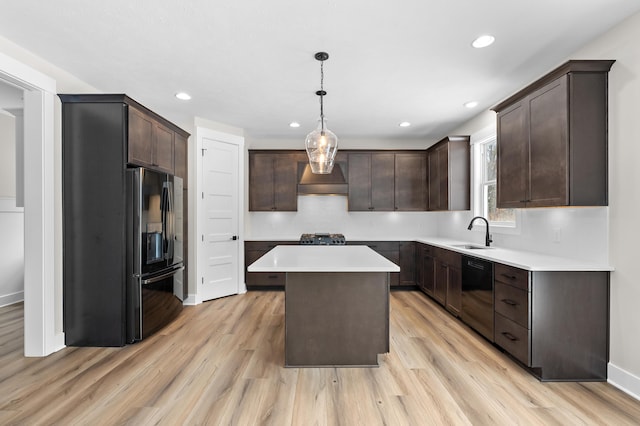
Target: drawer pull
511, 277
509, 336
272, 277
510, 302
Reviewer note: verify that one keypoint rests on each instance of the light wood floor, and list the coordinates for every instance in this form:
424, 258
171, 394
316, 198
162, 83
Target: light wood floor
221, 363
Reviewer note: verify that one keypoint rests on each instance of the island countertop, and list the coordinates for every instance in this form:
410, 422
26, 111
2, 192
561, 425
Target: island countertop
300, 258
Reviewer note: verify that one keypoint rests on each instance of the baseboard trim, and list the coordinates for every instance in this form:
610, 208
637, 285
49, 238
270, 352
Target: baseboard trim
191, 300
10, 299
624, 380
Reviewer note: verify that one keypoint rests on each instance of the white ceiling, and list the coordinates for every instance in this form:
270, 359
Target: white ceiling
250, 64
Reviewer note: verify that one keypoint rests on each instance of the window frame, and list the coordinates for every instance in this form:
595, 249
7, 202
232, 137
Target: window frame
479, 208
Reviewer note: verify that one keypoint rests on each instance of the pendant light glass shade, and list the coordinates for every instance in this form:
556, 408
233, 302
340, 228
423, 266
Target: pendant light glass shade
322, 146
322, 143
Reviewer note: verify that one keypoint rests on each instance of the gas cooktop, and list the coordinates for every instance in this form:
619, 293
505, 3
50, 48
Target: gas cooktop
323, 239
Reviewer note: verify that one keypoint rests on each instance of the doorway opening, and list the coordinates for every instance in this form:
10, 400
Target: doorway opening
42, 303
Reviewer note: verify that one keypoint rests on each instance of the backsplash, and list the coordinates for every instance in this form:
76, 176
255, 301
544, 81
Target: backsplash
576, 233
330, 214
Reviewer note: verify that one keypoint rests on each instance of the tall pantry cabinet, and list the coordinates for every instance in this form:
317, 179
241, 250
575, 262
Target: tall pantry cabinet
102, 135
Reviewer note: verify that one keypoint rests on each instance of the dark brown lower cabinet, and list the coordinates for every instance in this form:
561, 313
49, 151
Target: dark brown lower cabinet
554, 323
402, 253
254, 250
425, 268
442, 274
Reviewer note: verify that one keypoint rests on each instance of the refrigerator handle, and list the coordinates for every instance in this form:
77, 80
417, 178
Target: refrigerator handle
168, 220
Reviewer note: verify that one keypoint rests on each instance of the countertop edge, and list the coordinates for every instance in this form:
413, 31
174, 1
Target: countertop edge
539, 262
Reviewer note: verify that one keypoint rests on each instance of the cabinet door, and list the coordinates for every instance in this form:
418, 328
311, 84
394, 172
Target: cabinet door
180, 158
434, 181
359, 182
443, 176
429, 268
261, 182
440, 282
513, 157
407, 263
382, 181
162, 146
140, 135
410, 182
285, 182
549, 145
454, 290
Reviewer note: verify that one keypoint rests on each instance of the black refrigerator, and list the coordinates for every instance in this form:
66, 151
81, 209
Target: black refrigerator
154, 251
122, 230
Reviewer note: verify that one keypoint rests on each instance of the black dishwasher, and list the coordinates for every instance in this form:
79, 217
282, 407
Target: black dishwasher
477, 295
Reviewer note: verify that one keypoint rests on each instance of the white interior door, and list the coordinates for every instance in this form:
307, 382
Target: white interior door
220, 242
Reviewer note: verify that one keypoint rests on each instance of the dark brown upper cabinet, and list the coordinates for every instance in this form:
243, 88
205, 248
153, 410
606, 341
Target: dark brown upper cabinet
387, 181
449, 174
371, 181
411, 181
180, 158
552, 139
150, 143
273, 180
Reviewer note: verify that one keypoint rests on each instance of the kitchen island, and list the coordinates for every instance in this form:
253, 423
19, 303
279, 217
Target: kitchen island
336, 303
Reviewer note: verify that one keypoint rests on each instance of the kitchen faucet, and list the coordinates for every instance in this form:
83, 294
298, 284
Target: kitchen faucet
487, 238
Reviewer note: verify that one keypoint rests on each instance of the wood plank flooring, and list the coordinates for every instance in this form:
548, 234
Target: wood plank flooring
222, 363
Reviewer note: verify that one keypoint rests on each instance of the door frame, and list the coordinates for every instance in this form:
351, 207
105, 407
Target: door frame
195, 200
43, 332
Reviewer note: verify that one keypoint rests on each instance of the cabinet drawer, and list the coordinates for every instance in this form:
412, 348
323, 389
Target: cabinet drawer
513, 303
513, 276
513, 338
266, 278
426, 249
448, 257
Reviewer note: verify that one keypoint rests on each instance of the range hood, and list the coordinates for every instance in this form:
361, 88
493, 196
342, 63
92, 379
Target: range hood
333, 183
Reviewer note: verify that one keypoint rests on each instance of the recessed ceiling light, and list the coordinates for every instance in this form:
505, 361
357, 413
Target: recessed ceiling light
483, 41
471, 104
183, 96
294, 124
404, 124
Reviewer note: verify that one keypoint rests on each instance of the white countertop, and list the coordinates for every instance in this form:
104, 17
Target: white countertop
517, 258
301, 258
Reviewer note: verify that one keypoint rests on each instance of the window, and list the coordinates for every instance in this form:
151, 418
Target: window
488, 191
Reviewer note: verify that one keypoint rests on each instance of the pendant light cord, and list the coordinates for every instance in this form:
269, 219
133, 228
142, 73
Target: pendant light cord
322, 95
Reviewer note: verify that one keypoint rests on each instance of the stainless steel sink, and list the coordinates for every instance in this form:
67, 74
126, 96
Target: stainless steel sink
471, 247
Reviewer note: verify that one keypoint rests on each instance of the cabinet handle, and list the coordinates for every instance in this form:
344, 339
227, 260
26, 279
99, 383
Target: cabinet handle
371, 208
272, 277
509, 336
510, 302
511, 277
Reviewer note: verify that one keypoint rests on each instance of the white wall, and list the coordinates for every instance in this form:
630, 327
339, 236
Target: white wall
7, 155
584, 230
11, 218
11, 252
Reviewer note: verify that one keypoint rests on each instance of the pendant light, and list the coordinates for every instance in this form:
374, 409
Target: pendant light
322, 143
